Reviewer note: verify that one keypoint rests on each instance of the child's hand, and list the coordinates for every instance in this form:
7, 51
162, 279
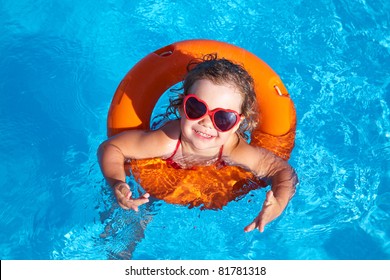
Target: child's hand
271, 210
123, 196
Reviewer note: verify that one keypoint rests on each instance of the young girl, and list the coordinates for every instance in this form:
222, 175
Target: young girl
217, 107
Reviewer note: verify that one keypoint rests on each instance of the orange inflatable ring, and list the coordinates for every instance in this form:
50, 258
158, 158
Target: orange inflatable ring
208, 187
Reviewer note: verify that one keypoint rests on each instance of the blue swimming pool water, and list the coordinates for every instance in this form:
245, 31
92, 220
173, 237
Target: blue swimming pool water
61, 62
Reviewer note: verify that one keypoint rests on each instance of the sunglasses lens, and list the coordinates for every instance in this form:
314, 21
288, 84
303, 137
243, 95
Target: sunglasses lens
195, 109
224, 120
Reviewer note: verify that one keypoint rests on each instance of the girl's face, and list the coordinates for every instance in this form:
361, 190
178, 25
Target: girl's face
201, 133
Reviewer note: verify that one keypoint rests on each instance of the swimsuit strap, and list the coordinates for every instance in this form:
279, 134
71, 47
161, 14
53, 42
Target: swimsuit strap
220, 153
170, 160
177, 147
220, 163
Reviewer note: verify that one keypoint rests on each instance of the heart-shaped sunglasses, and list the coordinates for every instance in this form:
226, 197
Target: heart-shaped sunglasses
223, 119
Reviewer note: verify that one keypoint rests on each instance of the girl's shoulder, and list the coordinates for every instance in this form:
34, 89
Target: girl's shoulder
141, 144
239, 152
234, 145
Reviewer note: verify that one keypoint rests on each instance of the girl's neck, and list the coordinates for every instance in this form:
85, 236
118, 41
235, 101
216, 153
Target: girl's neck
187, 149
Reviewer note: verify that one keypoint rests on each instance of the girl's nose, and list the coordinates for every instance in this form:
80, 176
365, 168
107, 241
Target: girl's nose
206, 122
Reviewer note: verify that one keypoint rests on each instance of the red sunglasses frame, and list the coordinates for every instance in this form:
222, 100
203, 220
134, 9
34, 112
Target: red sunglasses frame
210, 113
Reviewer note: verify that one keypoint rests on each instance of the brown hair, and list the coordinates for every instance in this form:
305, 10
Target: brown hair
219, 71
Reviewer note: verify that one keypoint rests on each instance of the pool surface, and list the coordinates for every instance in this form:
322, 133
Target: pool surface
61, 62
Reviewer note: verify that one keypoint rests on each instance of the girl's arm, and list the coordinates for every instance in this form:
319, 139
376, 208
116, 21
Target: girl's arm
272, 169
133, 144
279, 174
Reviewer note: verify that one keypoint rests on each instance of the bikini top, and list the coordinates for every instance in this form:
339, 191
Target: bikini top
220, 163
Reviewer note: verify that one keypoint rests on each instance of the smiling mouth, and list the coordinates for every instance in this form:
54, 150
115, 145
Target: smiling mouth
204, 135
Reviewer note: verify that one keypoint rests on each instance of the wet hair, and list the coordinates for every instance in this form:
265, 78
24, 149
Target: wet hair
221, 71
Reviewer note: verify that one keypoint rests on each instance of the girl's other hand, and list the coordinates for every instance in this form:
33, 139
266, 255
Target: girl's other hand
123, 196
270, 211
